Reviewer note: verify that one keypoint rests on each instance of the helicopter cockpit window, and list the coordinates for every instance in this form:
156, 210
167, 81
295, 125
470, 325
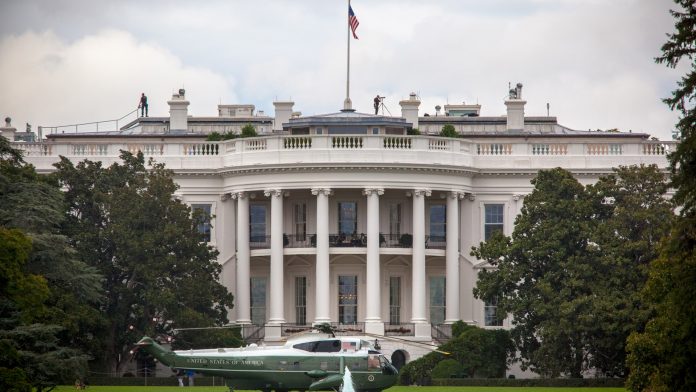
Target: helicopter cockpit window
307, 346
328, 346
322, 346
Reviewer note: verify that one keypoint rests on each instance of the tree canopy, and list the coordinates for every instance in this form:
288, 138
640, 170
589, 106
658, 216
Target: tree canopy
662, 356
570, 273
159, 273
448, 131
45, 293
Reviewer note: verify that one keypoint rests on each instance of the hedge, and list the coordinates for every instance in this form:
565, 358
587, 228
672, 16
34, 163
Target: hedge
531, 382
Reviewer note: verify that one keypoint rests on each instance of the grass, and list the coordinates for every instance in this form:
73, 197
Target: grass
392, 389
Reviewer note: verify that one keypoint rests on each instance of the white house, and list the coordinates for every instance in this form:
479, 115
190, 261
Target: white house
344, 217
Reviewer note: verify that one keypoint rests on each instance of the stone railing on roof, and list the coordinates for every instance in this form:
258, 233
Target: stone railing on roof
374, 150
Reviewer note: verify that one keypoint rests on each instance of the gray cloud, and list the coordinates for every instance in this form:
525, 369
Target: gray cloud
590, 59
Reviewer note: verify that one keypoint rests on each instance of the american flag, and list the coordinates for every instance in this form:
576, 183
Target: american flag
352, 21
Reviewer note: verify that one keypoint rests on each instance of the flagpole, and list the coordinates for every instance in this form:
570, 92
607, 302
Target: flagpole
347, 104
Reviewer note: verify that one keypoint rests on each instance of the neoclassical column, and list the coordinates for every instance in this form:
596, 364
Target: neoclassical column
418, 303
276, 315
452, 258
373, 288
243, 301
322, 260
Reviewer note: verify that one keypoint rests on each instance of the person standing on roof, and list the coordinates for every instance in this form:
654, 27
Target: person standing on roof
143, 105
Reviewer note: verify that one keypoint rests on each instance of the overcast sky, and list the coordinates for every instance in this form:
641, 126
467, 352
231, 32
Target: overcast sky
64, 62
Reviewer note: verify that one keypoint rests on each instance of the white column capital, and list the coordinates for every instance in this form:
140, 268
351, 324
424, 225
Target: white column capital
470, 196
456, 195
225, 197
239, 195
273, 193
422, 192
370, 191
324, 191
518, 196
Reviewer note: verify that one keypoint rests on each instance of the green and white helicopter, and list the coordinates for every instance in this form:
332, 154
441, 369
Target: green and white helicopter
309, 362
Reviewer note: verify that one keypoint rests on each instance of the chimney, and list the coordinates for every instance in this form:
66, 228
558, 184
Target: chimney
409, 109
178, 112
515, 109
283, 112
8, 131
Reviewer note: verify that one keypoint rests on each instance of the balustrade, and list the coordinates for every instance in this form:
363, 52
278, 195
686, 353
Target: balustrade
201, 149
346, 142
146, 149
604, 149
90, 149
397, 143
494, 149
297, 143
391, 146
34, 149
549, 149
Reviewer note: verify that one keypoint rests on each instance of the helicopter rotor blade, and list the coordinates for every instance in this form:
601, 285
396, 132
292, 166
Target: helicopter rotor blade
424, 345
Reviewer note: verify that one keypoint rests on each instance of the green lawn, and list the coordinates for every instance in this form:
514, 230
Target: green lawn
392, 389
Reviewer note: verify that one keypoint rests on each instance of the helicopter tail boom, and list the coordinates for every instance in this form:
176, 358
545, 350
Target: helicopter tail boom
151, 347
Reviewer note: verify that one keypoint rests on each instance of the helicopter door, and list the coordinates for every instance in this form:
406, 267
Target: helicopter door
373, 362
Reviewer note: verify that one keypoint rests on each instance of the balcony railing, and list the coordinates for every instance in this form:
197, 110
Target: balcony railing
300, 240
321, 149
259, 242
348, 240
403, 240
435, 242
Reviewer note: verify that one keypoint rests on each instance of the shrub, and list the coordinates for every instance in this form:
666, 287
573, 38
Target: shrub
448, 368
413, 131
448, 131
249, 131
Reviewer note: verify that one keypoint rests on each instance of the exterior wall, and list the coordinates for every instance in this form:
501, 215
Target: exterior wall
495, 170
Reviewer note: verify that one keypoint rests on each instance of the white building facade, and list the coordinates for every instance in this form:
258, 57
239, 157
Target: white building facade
347, 219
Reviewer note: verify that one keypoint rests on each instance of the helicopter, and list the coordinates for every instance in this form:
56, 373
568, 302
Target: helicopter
312, 361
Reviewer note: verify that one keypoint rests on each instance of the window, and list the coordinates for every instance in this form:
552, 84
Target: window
319, 131
258, 300
493, 220
395, 220
257, 223
301, 300
395, 300
347, 217
375, 131
438, 222
202, 214
437, 299
490, 311
300, 218
347, 299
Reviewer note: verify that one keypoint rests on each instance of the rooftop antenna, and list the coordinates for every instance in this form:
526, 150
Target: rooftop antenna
547, 109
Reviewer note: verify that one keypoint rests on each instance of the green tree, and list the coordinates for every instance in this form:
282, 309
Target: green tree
632, 215
448, 131
413, 131
571, 273
51, 289
159, 273
662, 357
477, 352
541, 275
248, 130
